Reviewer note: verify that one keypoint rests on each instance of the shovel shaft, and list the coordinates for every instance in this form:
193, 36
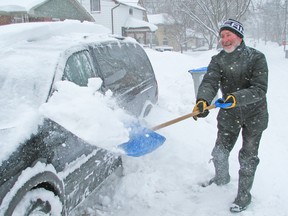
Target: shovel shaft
181, 118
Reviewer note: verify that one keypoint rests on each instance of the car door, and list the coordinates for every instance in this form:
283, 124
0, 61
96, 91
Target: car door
96, 163
83, 167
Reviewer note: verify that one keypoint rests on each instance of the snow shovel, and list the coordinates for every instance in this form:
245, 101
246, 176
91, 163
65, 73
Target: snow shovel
143, 140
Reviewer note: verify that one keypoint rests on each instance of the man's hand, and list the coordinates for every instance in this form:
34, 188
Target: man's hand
201, 107
227, 103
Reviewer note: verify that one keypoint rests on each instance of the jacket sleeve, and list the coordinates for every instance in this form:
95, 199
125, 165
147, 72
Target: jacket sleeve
210, 83
258, 82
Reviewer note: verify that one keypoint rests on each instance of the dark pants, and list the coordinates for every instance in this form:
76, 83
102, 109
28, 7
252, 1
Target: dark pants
229, 128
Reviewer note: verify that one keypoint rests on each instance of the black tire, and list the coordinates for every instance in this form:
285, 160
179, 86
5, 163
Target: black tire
39, 202
42, 191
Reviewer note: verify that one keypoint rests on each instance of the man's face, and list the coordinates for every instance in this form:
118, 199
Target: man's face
229, 41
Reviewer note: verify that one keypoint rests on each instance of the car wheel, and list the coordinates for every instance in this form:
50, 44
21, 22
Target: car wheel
39, 202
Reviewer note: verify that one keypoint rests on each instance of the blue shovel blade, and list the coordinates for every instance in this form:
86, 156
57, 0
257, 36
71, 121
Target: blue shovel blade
142, 141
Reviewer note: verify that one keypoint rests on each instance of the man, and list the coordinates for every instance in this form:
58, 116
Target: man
241, 73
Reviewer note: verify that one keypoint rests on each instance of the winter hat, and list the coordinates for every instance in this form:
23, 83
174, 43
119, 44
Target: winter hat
233, 26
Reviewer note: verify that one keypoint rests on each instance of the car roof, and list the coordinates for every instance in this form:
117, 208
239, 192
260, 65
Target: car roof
22, 53
23, 59
31, 53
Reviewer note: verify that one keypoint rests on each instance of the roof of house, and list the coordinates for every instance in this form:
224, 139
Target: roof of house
159, 19
19, 5
26, 6
132, 22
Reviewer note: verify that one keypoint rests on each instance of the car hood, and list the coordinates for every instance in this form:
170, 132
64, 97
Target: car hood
17, 124
23, 88
25, 81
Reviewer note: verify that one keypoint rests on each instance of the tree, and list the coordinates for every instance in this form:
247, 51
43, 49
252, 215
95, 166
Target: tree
263, 19
209, 14
154, 6
268, 20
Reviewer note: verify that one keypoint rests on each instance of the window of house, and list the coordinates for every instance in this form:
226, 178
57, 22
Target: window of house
165, 41
130, 11
95, 5
20, 18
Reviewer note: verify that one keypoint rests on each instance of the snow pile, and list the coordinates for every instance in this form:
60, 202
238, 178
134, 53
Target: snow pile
87, 113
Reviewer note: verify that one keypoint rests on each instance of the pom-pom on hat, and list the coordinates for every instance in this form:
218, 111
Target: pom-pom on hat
233, 26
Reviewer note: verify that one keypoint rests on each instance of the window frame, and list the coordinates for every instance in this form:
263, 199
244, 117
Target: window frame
95, 5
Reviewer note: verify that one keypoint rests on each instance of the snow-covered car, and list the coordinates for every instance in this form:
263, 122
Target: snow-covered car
46, 167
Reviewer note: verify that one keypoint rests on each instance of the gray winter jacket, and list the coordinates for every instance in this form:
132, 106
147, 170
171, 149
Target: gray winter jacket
242, 73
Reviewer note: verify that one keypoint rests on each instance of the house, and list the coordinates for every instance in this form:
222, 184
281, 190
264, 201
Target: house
195, 41
172, 36
15, 11
163, 38
123, 17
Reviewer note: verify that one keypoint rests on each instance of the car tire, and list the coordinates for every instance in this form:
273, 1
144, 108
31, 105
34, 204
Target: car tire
46, 186
39, 202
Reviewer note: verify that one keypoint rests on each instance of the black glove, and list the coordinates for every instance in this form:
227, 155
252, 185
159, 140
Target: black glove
201, 107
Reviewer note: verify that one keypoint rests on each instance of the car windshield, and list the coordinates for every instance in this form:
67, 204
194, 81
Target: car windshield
24, 82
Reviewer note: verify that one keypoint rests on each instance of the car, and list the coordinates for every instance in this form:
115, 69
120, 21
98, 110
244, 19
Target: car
46, 168
163, 48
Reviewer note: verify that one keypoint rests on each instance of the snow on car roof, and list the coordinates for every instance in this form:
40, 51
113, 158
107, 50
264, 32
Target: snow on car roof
44, 30
29, 56
22, 54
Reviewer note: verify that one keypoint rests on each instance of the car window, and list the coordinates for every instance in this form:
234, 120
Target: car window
78, 68
123, 66
140, 62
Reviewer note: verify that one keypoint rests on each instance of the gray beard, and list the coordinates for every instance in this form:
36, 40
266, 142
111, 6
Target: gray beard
231, 50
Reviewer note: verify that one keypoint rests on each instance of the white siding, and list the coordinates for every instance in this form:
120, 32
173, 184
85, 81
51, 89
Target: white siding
120, 14
103, 17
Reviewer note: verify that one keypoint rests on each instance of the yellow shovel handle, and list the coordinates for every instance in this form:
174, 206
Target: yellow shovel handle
181, 118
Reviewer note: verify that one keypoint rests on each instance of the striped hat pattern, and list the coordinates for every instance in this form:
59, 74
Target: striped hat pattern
233, 26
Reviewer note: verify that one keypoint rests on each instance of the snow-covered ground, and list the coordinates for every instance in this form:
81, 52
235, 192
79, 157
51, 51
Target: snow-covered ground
166, 181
